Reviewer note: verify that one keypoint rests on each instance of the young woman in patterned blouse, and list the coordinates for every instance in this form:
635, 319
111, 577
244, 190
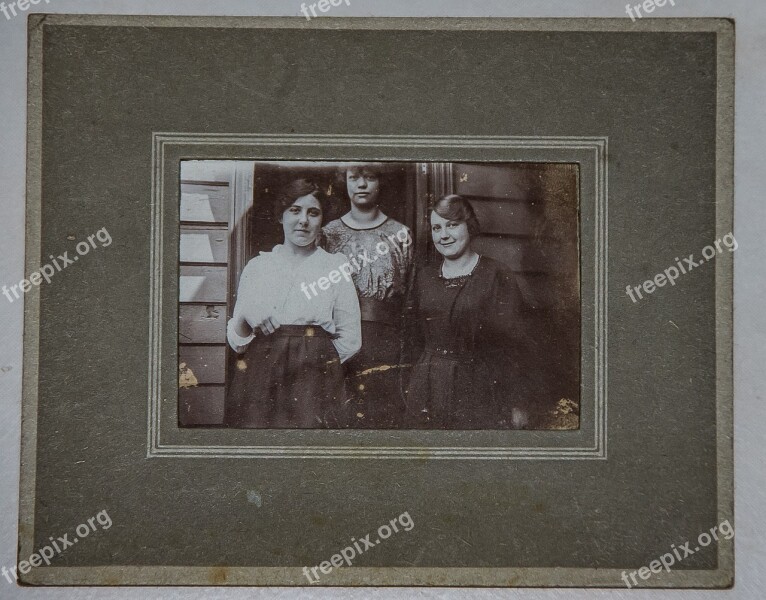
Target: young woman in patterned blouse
380, 249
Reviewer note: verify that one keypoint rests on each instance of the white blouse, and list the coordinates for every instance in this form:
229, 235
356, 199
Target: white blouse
270, 286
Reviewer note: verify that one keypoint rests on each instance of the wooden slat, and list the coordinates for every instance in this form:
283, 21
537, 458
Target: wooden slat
205, 203
494, 181
201, 406
206, 208
207, 170
526, 256
206, 363
202, 324
504, 216
548, 291
204, 245
202, 284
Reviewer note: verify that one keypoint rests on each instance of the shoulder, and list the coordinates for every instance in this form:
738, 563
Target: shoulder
502, 278
334, 226
264, 260
495, 268
330, 260
496, 272
394, 226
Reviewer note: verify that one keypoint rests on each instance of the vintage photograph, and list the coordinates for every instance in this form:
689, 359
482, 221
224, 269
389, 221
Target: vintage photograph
398, 301
379, 295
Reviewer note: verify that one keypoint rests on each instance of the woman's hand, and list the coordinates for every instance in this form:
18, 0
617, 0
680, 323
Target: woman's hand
268, 324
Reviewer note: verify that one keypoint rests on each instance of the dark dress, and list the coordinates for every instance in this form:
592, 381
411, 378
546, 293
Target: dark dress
469, 329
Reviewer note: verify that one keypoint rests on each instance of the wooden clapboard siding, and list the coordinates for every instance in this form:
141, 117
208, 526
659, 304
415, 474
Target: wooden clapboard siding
502, 181
545, 291
529, 220
205, 261
202, 324
204, 245
204, 204
208, 363
201, 406
203, 283
526, 255
505, 217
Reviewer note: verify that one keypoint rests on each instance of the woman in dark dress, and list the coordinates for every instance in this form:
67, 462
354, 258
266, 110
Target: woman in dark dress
465, 313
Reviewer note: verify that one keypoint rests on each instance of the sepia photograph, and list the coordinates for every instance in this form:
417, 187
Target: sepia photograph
379, 295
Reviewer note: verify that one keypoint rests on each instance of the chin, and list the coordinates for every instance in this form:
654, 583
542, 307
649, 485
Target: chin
303, 242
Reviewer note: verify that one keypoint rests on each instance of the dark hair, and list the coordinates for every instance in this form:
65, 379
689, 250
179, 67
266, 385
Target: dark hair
457, 208
298, 188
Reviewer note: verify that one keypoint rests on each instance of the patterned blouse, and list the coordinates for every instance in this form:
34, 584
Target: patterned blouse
381, 256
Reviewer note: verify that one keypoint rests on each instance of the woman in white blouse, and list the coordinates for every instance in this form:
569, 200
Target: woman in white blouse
293, 342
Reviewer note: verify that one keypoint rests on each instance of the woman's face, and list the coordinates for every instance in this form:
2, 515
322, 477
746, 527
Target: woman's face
302, 221
451, 238
363, 187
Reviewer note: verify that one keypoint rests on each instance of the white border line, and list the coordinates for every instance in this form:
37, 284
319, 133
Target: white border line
157, 449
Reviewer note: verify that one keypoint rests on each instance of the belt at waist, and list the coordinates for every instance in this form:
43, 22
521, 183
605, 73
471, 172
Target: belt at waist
298, 331
382, 311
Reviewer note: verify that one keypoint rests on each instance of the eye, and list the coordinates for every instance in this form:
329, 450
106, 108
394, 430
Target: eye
452, 225
436, 227
294, 209
315, 212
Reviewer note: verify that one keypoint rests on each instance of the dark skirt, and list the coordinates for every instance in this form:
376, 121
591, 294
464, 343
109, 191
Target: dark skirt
291, 379
453, 391
374, 379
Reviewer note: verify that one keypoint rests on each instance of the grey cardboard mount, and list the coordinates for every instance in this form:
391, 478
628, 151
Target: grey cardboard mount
116, 102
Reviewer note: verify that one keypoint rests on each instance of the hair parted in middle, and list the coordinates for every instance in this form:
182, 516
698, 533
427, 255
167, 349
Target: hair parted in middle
297, 188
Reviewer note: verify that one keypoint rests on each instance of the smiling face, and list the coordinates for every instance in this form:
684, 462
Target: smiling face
450, 237
363, 187
302, 221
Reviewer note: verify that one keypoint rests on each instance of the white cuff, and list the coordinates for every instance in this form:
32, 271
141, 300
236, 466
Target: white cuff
236, 341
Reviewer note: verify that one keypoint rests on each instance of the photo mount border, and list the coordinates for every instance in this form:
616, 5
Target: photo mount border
597, 146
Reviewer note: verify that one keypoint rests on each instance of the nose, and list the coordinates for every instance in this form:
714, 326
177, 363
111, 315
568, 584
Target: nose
304, 218
362, 183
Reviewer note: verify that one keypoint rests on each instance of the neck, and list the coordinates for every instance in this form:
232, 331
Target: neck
461, 264
365, 216
293, 250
